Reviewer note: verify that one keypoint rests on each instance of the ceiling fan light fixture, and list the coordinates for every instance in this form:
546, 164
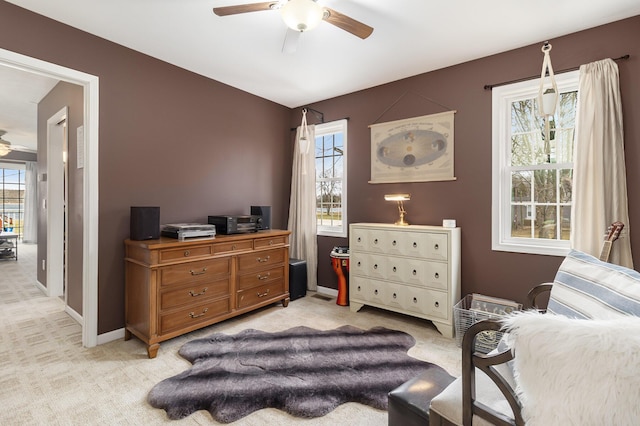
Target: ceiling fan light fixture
302, 15
5, 148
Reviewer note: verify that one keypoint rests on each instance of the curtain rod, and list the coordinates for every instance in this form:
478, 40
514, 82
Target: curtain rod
337, 119
491, 86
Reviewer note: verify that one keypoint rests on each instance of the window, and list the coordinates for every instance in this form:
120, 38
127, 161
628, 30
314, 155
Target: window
532, 177
331, 178
12, 183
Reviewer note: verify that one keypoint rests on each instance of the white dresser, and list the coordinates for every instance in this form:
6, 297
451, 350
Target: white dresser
414, 270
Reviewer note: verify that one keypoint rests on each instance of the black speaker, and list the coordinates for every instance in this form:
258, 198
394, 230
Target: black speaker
297, 278
265, 212
145, 223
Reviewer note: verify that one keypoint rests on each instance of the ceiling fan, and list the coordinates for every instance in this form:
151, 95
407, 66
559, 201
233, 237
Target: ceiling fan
300, 16
5, 146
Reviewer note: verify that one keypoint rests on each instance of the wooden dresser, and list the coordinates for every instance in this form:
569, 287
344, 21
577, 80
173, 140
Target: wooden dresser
414, 270
173, 287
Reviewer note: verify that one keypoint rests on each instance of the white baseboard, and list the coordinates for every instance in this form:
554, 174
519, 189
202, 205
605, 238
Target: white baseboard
110, 336
73, 314
327, 291
42, 288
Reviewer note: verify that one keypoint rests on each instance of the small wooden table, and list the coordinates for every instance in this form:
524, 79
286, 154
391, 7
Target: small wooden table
8, 249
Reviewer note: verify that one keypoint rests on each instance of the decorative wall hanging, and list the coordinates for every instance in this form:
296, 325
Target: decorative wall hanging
418, 149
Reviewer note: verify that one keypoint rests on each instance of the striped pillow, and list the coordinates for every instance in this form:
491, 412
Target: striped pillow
586, 287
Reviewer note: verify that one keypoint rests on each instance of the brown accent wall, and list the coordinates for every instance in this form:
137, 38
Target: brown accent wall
167, 137
468, 199
71, 96
194, 146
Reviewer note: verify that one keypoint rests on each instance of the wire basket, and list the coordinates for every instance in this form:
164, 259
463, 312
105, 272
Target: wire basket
475, 307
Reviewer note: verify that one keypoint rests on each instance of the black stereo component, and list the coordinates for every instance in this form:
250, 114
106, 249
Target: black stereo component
235, 224
265, 213
145, 223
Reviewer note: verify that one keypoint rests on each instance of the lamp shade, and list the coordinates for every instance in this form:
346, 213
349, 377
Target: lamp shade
397, 197
301, 15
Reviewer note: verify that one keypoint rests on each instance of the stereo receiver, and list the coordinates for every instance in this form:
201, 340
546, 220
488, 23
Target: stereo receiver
236, 224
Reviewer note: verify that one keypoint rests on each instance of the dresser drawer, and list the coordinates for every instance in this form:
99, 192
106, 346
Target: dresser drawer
232, 246
193, 315
170, 255
358, 288
260, 277
204, 270
253, 296
194, 293
260, 260
428, 302
260, 243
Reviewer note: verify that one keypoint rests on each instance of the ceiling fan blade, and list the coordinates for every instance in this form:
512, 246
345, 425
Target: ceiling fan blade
245, 8
291, 39
346, 23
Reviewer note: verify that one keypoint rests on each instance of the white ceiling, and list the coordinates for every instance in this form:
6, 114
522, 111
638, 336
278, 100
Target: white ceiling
410, 37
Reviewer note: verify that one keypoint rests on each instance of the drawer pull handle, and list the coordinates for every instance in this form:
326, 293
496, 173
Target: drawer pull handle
359, 288
375, 266
263, 259
270, 242
395, 296
359, 264
359, 239
264, 277
186, 253
194, 315
394, 242
204, 270
437, 304
415, 245
192, 294
415, 272
437, 275
375, 241
375, 292
263, 294
234, 247
415, 300
394, 269
436, 246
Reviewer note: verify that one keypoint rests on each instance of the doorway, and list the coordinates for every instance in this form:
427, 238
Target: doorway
90, 203
55, 199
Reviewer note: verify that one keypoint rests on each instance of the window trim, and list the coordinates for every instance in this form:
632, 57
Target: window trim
338, 126
502, 97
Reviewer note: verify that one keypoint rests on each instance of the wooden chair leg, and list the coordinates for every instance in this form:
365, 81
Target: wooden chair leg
435, 419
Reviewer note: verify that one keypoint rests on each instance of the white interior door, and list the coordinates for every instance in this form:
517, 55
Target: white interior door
55, 203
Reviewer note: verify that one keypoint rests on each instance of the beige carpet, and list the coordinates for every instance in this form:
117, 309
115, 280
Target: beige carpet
48, 378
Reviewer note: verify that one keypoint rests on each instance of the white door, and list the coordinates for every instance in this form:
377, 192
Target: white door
55, 203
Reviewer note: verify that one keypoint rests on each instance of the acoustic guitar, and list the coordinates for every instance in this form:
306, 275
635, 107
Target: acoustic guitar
613, 231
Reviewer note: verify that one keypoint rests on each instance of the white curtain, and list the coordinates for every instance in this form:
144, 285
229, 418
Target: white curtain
600, 178
302, 207
30, 231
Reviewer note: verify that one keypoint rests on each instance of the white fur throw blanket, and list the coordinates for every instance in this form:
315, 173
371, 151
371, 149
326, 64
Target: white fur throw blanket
576, 371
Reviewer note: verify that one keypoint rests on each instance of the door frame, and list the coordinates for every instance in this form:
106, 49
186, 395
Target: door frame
90, 84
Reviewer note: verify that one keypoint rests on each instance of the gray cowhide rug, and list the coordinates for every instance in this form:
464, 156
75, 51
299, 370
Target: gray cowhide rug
302, 371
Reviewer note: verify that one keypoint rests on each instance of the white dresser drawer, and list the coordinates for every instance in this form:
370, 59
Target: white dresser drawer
359, 288
427, 302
